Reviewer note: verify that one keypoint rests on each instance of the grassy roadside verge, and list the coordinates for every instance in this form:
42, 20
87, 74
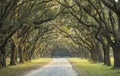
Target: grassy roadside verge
92, 69
20, 69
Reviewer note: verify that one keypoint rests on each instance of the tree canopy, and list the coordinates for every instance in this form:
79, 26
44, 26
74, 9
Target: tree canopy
76, 28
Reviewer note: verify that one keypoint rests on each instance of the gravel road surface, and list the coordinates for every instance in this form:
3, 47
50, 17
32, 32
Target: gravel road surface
57, 67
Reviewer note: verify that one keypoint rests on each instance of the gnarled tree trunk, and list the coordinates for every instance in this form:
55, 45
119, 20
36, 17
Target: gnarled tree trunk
116, 53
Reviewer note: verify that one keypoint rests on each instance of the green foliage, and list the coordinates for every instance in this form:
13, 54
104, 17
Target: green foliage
80, 25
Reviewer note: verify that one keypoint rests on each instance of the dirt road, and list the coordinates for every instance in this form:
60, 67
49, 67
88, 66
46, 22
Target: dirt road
57, 67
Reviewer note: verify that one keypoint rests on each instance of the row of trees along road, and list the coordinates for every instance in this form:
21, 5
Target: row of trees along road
96, 24
23, 28
32, 28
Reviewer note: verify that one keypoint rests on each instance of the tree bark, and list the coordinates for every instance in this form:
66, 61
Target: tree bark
3, 53
3, 58
100, 51
13, 52
116, 53
94, 55
20, 54
107, 55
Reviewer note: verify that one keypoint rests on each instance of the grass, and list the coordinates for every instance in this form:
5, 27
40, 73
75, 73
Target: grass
25, 67
92, 69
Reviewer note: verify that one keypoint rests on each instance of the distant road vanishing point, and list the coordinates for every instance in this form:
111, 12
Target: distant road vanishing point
57, 67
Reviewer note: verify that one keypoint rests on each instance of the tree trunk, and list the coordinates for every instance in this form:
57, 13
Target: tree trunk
100, 51
1, 61
94, 56
107, 55
30, 55
100, 56
26, 57
97, 52
13, 52
20, 54
3, 58
116, 53
116, 46
16, 55
3, 53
